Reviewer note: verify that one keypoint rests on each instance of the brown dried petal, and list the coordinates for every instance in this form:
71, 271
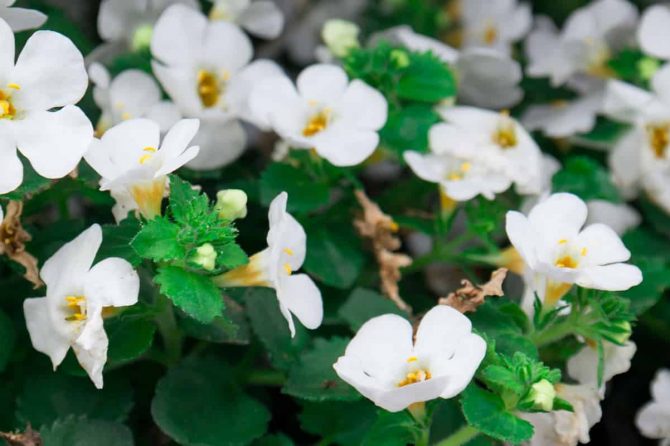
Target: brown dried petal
469, 297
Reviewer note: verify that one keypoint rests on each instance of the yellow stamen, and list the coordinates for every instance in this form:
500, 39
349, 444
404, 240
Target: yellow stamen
490, 34
150, 151
566, 262
126, 116
209, 88
288, 251
659, 137
288, 269
583, 252
14, 86
505, 134
562, 241
74, 303
317, 123
465, 167
412, 359
415, 377
145, 158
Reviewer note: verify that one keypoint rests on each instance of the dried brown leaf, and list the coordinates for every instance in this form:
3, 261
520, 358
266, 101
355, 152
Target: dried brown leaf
469, 297
27, 438
13, 238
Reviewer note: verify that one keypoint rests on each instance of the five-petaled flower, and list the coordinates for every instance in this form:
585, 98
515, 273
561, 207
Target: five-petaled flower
386, 366
274, 267
78, 293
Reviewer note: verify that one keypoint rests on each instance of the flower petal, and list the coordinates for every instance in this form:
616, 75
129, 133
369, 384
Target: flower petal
50, 71
220, 144
399, 398
652, 419
263, 19
602, 244
180, 85
620, 217
178, 138
22, 19
344, 146
134, 92
44, 337
624, 102
654, 31
177, 34
522, 236
11, 169
560, 216
91, 347
322, 83
241, 86
303, 299
54, 142
112, 283
362, 106
7, 48
616, 277
226, 46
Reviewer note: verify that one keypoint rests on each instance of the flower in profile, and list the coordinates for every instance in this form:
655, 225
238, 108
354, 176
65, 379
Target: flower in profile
339, 119
559, 253
261, 18
653, 419
494, 140
493, 23
71, 314
134, 164
37, 114
21, 19
274, 267
205, 69
583, 366
387, 366
130, 95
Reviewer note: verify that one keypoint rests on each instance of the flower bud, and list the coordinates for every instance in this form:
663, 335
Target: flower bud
400, 58
542, 395
340, 36
624, 331
231, 204
647, 67
142, 38
205, 256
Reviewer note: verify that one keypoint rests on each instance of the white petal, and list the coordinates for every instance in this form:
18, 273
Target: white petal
616, 277
654, 31
50, 71
652, 420
285, 234
583, 366
263, 19
488, 78
220, 144
91, 347
399, 398
99, 75
362, 106
165, 113
11, 169
180, 86
113, 17
240, 87
21, 19
226, 46
178, 35
660, 386
133, 93
522, 236
112, 283
6, 48
275, 103
178, 138
603, 245
625, 162
428, 167
344, 146
625, 102
43, 336
620, 217
54, 142
303, 299
660, 83
322, 83
560, 216
71, 263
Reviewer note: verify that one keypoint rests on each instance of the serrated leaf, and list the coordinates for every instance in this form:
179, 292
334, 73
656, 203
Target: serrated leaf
232, 328
313, 377
198, 404
363, 304
49, 396
426, 79
186, 203
392, 429
272, 329
231, 256
196, 295
344, 423
74, 431
116, 241
407, 128
486, 412
333, 257
157, 240
304, 193
503, 378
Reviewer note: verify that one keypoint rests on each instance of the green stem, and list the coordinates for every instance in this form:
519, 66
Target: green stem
167, 326
554, 333
460, 437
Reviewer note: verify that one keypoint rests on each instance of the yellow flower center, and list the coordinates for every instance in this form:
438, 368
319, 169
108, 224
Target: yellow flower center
415, 374
490, 34
659, 137
7, 109
505, 133
210, 87
76, 308
566, 262
149, 153
459, 173
317, 123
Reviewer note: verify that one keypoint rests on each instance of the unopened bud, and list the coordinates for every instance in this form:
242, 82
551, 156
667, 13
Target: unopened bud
340, 36
231, 204
205, 256
142, 38
400, 58
647, 67
542, 395
624, 330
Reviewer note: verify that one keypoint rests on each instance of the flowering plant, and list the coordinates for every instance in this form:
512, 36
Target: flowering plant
337, 222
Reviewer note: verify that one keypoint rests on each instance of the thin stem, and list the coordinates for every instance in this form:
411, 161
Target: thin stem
167, 327
554, 333
460, 437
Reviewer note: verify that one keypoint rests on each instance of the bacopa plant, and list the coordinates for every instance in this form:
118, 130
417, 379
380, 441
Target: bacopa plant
336, 222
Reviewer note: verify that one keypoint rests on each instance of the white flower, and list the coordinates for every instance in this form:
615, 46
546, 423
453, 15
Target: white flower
583, 367
385, 365
486, 77
585, 44
563, 428
564, 118
640, 159
20, 19
494, 23
133, 164
204, 67
274, 267
77, 294
340, 36
558, 253
129, 23
653, 419
654, 31
338, 118
48, 74
494, 139
130, 95
260, 18
620, 217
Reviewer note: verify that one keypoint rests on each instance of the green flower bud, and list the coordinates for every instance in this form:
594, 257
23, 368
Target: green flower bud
231, 204
142, 38
400, 58
542, 395
624, 330
647, 67
205, 256
340, 36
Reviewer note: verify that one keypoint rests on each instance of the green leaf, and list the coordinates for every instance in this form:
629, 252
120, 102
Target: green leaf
426, 79
313, 377
503, 378
73, 431
196, 295
392, 429
116, 241
407, 128
8, 336
32, 183
499, 324
198, 404
363, 304
186, 203
49, 396
486, 412
304, 194
231, 256
129, 338
333, 257
157, 240
587, 179
272, 329
342, 423
274, 440
232, 328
